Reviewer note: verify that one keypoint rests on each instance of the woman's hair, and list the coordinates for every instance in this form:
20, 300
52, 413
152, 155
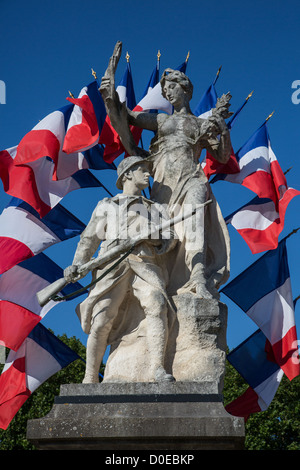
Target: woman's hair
178, 77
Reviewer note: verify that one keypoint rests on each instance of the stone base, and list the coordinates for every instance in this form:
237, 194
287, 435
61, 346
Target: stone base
138, 416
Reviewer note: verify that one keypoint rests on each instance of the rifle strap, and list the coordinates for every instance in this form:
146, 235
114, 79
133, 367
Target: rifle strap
58, 298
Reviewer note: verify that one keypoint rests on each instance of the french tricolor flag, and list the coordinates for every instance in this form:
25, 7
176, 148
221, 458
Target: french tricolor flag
65, 134
19, 307
86, 120
207, 102
153, 80
259, 169
203, 110
40, 356
33, 182
254, 361
45, 140
24, 234
263, 291
260, 223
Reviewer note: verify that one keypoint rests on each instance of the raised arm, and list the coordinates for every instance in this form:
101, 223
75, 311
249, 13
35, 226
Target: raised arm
116, 110
144, 120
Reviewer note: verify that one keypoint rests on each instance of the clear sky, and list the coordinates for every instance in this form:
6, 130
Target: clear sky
49, 47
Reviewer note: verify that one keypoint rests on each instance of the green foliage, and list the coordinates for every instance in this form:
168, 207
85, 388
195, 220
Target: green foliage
277, 428
41, 401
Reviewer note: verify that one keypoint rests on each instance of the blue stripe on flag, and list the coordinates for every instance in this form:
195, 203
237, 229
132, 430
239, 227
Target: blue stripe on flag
250, 360
98, 103
64, 224
94, 157
260, 138
86, 179
267, 274
67, 111
45, 268
207, 102
127, 82
59, 220
59, 350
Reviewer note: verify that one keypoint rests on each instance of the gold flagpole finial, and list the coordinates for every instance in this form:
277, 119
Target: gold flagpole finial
127, 56
249, 96
188, 56
158, 55
71, 94
94, 73
270, 115
219, 70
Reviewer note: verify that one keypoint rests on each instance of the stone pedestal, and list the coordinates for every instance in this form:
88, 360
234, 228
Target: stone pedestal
138, 416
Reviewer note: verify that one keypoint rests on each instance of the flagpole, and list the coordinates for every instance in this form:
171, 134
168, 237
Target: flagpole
296, 299
291, 233
270, 115
286, 171
249, 96
158, 58
267, 119
217, 75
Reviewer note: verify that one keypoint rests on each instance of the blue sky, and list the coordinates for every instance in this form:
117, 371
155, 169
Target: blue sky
48, 48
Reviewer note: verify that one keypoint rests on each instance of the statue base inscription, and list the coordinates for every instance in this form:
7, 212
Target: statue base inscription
138, 416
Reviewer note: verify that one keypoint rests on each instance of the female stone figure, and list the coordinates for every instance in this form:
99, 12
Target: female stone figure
200, 263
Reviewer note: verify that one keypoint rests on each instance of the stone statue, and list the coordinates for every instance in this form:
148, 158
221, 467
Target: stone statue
159, 310
140, 276
200, 262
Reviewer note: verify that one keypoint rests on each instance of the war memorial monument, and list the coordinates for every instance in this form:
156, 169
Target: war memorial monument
161, 263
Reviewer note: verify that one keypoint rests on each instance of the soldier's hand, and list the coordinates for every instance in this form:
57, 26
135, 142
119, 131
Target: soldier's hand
71, 273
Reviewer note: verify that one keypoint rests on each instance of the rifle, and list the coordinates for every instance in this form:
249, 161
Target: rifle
50, 292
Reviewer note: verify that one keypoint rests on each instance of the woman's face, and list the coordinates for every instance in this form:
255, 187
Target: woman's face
174, 93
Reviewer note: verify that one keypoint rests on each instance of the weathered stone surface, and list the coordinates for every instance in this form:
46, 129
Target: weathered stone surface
138, 416
196, 347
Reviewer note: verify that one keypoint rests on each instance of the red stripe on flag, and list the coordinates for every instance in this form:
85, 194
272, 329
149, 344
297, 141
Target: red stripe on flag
262, 240
244, 405
86, 133
13, 391
15, 252
16, 323
19, 181
212, 166
37, 144
262, 184
286, 353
